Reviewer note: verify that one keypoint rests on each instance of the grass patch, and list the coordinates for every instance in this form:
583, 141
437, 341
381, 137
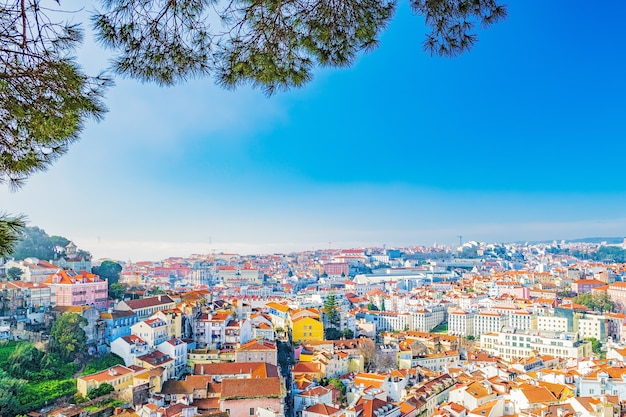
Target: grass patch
442, 328
100, 364
35, 395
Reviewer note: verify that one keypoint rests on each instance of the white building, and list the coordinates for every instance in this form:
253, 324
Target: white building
512, 344
129, 348
176, 349
489, 321
522, 320
461, 323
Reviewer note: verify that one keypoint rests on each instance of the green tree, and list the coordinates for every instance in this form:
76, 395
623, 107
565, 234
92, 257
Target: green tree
9, 389
59, 241
332, 333
612, 253
109, 270
35, 243
103, 389
338, 385
596, 345
53, 367
79, 398
155, 291
67, 337
14, 273
117, 291
24, 362
332, 311
348, 334
100, 364
598, 301
602, 302
11, 229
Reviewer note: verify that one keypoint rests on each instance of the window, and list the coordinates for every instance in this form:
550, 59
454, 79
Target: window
251, 411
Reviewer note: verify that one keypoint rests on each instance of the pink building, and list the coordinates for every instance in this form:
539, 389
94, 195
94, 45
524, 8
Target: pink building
617, 292
77, 288
583, 286
337, 268
257, 351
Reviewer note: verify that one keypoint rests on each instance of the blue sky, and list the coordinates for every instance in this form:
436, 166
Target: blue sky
520, 139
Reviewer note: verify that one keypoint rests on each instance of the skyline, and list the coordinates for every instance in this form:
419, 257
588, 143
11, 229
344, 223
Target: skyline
519, 139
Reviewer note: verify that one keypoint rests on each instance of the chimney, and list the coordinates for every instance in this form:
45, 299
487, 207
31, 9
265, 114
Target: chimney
159, 296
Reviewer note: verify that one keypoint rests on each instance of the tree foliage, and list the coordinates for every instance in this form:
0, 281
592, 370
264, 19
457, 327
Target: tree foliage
24, 362
31, 377
45, 97
331, 311
117, 291
109, 270
371, 306
103, 389
596, 345
35, 394
336, 384
9, 389
100, 364
34, 242
67, 338
14, 273
331, 333
612, 253
11, 229
598, 301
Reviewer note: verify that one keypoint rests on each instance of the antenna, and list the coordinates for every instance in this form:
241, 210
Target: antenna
460, 240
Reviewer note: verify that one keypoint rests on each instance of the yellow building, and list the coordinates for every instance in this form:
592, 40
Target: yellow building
205, 355
174, 319
119, 376
306, 329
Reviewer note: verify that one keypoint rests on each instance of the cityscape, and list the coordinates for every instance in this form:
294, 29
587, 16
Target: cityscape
470, 330
328, 208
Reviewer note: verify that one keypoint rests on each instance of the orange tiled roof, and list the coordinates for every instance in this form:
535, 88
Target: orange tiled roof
257, 345
69, 277
113, 372
233, 389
